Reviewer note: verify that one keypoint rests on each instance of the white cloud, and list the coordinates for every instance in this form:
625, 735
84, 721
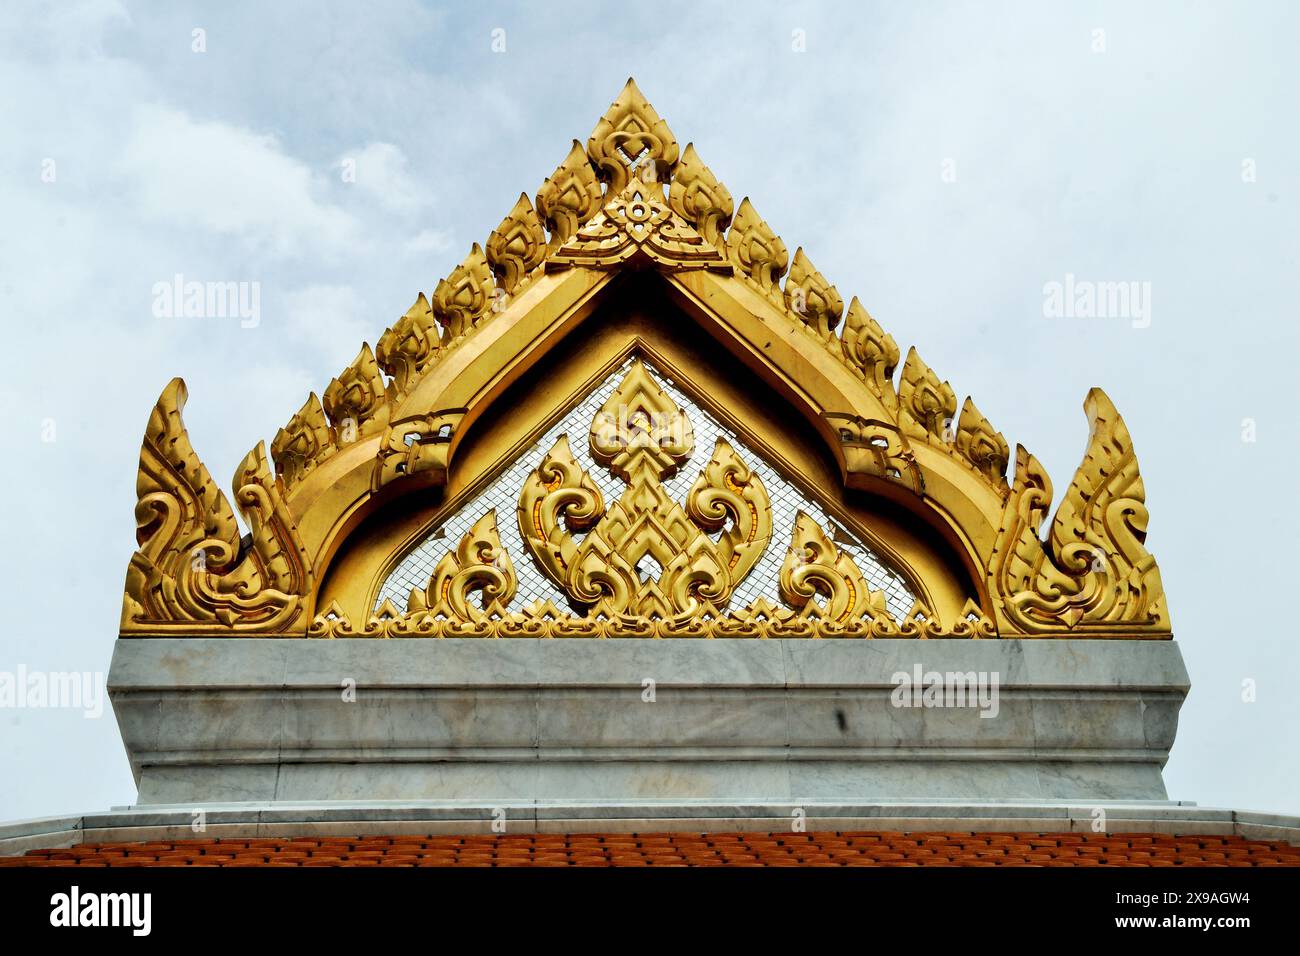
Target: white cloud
381, 172
230, 181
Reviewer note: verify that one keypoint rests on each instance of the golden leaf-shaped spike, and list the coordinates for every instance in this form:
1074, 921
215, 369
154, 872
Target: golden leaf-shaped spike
631, 131
729, 492
302, 444
558, 490
871, 350
698, 197
927, 406
814, 300
640, 428
981, 445
815, 567
569, 197
756, 250
479, 564
357, 400
276, 559
191, 569
1095, 574
410, 346
517, 246
465, 296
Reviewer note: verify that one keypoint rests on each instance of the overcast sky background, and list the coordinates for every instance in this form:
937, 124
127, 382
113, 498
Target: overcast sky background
225, 165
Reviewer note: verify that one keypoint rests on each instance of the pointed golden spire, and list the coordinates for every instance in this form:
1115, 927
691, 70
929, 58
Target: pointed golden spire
629, 129
927, 406
517, 246
357, 400
756, 249
465, 296
871, 350
814, 300
982, 445
303, 443
569, 197
698, 197
410, 345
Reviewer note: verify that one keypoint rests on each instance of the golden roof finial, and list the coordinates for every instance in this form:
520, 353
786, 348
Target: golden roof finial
631, 132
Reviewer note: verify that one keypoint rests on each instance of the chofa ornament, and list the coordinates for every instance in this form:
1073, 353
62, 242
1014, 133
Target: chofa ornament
643, 564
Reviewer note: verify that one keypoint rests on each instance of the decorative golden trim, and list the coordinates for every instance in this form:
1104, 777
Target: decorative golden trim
698, 197
302, 444
357, 401
1094, 573
517, 246
569, 197
192, 573
631, 131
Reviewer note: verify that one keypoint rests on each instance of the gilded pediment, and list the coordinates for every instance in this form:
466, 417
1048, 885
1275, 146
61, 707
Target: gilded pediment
633, 523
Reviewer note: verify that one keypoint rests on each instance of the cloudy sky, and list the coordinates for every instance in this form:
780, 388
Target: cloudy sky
942, 162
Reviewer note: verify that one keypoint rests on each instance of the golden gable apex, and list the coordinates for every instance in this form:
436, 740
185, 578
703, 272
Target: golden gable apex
632, 200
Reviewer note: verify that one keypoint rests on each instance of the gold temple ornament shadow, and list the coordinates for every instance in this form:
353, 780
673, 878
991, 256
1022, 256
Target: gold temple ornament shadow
641, 562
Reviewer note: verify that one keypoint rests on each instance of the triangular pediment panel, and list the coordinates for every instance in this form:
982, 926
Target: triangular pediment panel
781, 499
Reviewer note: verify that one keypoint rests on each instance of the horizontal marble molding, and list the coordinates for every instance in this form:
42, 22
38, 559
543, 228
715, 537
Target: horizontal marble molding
220, 720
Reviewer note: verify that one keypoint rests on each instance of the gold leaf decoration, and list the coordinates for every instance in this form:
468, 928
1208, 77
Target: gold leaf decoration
631, 131
479, 564
637, 227
420, 444
1094, 575
698, 197
983, 446
756, 250
872, 351
465, 296
410, 346
729, 495
517, 246
191, 570
927, 406
302, 444
814, 300
569, 197
357, 400
814, 567
644, 556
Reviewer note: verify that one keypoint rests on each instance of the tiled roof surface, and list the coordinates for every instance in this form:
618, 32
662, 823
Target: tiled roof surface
688, 849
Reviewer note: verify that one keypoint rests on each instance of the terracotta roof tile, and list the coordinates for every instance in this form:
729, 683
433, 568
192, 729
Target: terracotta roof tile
687, 849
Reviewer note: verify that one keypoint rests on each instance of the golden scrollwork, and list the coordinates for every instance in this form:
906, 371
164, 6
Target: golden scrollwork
517, 246
479, 564
569, 197
1094, 573
192, 570
415, 445
303, 443
357, 400
631, 131
644, 554
638, 228
642, 565
814, 567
